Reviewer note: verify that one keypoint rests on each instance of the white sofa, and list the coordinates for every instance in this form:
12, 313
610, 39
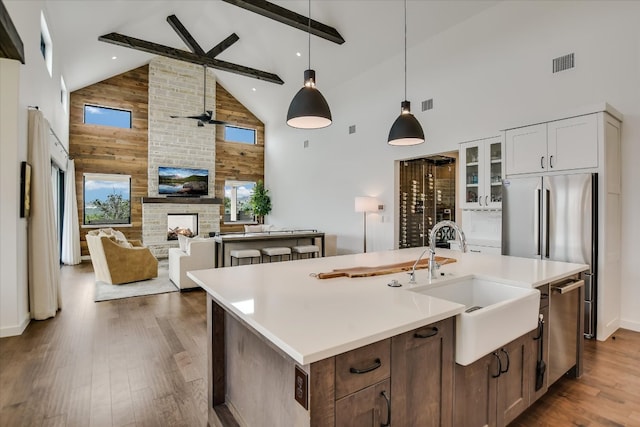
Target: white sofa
199, 255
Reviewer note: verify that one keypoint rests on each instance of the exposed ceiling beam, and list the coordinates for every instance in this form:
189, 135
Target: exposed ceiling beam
182, 55
11, 46
288, 17
223, 45
185, 35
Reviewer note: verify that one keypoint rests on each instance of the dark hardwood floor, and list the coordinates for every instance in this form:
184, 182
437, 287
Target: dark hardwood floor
132, 362
142, 362
607, 394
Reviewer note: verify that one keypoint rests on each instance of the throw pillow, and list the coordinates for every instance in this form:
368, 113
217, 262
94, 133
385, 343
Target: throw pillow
124, 244
120, 237
183, 242
253, 228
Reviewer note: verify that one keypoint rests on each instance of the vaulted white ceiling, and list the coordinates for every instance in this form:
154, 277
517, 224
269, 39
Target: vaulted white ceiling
373, 30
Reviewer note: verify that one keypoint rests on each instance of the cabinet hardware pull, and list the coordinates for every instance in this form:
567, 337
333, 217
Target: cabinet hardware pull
508, 361
376, 364
433, 333
542, 162
495, 353
567, 287
536, 220
480, 200
551, 162
547, 231
475, 250
383, 393
486, 200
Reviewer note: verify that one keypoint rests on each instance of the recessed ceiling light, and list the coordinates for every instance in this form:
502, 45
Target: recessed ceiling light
298, 54
114, 57
253, 89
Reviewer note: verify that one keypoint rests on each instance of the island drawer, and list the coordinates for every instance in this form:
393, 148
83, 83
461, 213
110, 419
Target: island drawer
362, 367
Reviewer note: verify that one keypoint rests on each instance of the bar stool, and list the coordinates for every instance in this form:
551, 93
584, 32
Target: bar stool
311, 251
239, 254
276, 251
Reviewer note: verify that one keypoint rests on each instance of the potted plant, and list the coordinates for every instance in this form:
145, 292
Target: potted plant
260, 202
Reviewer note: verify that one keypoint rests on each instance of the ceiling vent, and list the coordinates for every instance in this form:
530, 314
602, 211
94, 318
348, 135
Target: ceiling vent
427, 105
352, 129
562, 63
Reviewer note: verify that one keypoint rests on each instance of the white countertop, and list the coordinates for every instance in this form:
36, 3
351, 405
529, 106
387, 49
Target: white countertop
311, 319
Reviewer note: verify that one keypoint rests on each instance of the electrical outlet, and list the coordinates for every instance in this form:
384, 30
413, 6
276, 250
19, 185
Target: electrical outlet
301, 387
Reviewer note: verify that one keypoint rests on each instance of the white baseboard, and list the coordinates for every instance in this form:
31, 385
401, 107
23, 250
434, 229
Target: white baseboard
12, 331
630, 324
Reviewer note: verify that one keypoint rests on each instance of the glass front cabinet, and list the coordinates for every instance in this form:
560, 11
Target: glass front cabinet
481, 174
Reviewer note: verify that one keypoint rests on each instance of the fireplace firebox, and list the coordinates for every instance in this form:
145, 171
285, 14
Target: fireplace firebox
185, 224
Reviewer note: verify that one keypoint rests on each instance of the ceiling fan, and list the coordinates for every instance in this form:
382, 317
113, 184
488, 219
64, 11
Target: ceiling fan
207, 115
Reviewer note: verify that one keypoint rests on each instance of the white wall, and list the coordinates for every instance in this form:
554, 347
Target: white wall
35, 87
487, 73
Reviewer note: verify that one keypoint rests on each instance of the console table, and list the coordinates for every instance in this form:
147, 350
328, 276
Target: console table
225, 243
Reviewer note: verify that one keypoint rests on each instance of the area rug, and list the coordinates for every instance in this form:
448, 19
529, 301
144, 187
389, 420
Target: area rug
159, 285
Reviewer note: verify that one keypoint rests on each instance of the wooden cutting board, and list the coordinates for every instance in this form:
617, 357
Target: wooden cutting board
382, 269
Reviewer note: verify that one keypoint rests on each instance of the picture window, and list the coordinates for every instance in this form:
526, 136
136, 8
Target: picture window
107, 199
46, 47
236, 201
106, 116
238, 134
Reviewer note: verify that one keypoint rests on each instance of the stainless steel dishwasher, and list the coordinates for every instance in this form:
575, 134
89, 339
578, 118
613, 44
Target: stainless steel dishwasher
566, 328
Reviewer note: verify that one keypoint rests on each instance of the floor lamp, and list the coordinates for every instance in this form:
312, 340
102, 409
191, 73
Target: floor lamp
365, 205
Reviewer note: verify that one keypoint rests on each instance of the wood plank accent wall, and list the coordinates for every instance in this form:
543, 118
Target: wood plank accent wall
103, 149
236, 161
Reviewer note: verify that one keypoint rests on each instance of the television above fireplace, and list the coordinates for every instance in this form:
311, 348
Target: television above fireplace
186, 182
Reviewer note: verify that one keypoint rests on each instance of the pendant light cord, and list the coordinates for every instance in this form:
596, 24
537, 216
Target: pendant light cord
309, 34
405, 49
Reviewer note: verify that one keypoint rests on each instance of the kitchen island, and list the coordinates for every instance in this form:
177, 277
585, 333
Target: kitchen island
277, 333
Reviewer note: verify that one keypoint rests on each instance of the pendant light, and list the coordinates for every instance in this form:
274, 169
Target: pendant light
406, 130
309, 109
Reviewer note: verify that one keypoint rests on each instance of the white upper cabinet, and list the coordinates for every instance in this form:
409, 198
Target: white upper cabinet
526, 149
555, 146
481, 174
573, 143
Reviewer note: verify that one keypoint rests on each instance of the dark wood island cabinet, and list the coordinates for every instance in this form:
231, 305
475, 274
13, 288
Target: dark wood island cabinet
289, 349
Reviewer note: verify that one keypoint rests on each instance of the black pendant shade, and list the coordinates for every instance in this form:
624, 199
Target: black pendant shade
406, 130
309, 109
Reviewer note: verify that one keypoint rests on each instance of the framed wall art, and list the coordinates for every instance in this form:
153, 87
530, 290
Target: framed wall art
25, 190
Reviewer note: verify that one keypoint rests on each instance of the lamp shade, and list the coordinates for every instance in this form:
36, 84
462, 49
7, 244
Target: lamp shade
366, 204
309, 109
406, 130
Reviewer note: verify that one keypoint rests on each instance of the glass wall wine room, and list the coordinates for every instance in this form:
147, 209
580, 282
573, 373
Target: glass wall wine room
427, 195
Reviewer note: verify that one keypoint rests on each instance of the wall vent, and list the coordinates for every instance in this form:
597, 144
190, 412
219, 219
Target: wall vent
352, 129
427, 105
562, 63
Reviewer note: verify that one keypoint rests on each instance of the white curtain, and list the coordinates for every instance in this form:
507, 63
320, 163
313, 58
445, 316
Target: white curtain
44, 269
70, 232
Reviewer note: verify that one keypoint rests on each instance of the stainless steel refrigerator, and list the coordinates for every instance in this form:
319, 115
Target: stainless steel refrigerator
555, 218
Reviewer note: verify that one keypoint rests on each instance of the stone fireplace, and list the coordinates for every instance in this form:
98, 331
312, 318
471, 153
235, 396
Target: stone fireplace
185, 224
156, 212
178, 143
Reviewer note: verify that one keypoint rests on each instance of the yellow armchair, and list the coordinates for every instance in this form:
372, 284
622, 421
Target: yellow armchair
116, 263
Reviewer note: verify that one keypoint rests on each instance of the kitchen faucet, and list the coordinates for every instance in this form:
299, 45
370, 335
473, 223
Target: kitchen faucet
433, 265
